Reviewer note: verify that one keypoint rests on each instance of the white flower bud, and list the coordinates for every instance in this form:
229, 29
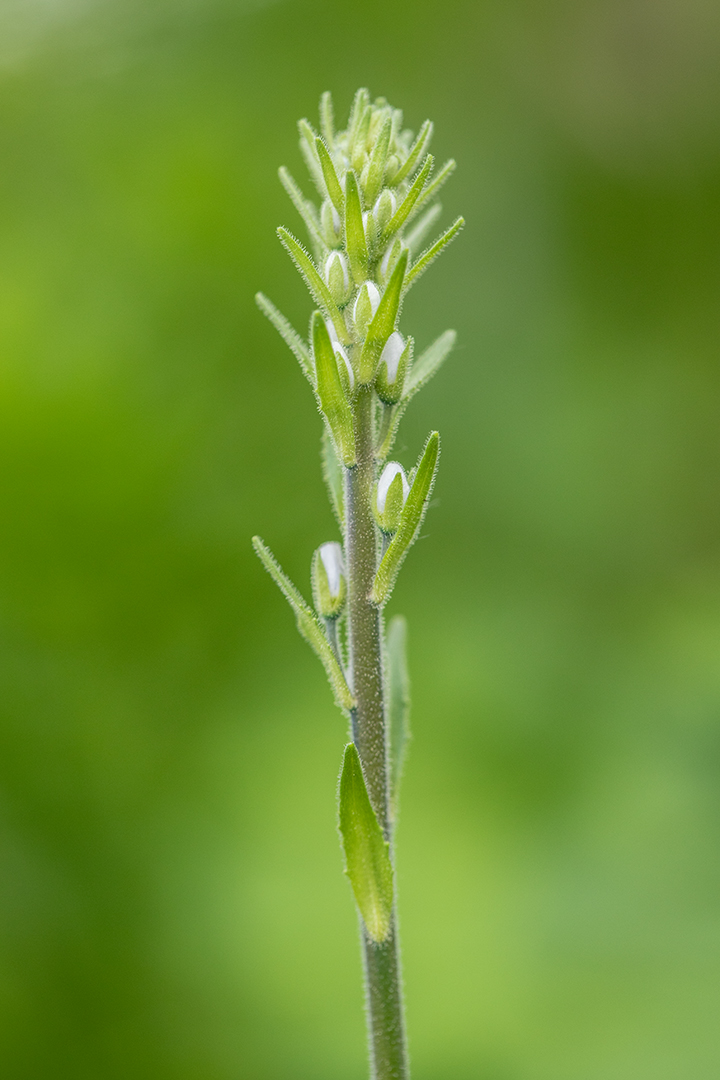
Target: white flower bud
328, 580
337, 277
390, 356
347, 375
384, 208
331, 224
392, 491
365, 306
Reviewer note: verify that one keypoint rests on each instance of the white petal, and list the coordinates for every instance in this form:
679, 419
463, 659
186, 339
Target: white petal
394, 348
386, 478
332, 559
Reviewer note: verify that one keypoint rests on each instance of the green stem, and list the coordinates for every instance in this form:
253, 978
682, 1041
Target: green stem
383, 985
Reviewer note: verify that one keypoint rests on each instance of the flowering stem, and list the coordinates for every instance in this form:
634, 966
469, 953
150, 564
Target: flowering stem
383, 988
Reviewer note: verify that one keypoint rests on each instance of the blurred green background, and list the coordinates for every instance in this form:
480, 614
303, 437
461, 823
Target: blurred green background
171, 901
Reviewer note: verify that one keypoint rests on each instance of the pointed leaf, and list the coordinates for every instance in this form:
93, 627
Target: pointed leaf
355, 241
410, 521
318, 289
307, 149
331, 181
398, 700
308, 625
432, 189
305, 209
330, 391
333, 475
432, 253
422, 227
383, 322
360, 103
406, 207
367, 853
327, 121
416, 151
429, 362
378, 160
290, 336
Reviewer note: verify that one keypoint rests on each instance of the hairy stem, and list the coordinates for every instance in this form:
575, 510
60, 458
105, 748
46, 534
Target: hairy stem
383, 986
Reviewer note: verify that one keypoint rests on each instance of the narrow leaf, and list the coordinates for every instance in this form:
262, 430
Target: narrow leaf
408, 204
410, 521
327, 122
432, 189
422, 227
383, 322
398, 700
416, 151
308, 625
359, 105
330, 391
429, 362
355, 241
378, 160
432, 253
331, 181
307, 149
318, 289
290, 336
367, 853
305, 209
333, 475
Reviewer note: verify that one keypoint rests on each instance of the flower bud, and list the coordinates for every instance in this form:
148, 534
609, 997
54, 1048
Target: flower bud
331, 224
347, 375
370, 227
392, 167
389, 261
365, 306
328, 580
337, 277
384, 208
392, 491
394, 359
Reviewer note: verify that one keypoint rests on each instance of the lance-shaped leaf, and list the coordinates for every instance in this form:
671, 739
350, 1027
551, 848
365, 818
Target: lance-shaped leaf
333, 475
410, 521
383, 322
432, 253
331, 181
308, 625
290, 336
305, 209
415, 236
358, 144
318, 289
333, 402
378, 160
307, 149
416, 151
367, 853
327, 120
398, 702
359, 105
406, 207
355, 242
428, 363
432, 189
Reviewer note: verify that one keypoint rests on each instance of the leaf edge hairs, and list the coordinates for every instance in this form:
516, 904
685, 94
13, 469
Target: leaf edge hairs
378, 201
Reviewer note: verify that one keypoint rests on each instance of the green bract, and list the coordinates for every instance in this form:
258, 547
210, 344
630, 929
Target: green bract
367, 234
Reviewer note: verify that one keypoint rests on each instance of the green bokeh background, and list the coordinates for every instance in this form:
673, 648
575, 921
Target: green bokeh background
171, 902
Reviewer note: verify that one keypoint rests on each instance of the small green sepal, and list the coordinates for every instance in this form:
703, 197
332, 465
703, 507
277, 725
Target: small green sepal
308, 625
367, 853
410, 521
